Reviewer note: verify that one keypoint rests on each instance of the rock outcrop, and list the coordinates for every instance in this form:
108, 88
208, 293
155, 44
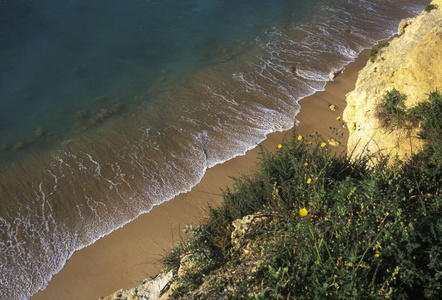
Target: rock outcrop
151, 288
250, 259
411, 64
243, 227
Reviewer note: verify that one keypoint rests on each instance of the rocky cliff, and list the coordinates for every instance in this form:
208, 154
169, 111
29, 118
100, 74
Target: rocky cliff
411, 64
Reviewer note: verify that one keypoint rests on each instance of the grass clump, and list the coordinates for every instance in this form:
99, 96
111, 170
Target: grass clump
430, 7
392, 111
375, 51
429, 116
335, 228
393, 114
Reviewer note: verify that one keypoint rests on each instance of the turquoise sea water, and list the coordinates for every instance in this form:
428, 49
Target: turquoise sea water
64, 61
110, 107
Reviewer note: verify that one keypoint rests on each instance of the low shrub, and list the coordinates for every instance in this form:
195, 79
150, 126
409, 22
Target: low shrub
338, 228
430, 7
374, 52
429, 115
391, 111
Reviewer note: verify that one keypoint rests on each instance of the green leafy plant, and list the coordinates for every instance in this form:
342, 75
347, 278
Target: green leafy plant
392, 112
429, 116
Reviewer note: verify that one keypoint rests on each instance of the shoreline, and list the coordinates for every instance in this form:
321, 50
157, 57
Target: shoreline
125, 257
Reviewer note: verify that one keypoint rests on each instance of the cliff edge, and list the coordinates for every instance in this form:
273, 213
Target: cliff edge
410, 64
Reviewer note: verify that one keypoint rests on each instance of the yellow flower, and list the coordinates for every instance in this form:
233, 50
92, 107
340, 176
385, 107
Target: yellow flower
338, 119
279, 146
303, 212
299, 137
306, 164
310, 142
353, 127
323, 144
376, 255
309, 181
133, 296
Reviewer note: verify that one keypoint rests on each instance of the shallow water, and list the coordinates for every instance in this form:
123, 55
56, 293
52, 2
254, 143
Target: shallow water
108, 108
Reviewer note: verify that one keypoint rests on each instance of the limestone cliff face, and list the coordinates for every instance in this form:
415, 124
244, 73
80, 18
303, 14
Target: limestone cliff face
151, 288
411, 64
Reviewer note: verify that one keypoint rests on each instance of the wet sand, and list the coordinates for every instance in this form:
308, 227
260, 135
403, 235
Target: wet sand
128, 255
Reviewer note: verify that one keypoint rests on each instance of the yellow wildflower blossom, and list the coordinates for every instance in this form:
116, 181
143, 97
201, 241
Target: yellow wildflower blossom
303, 212
306, 164
353, 127
299, 137
323, 144
376, 255
279, 146
309, 181
338, 119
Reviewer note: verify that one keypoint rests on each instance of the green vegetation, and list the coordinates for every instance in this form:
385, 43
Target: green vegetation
393, 114
429, 116
430, 7
374, 52
392, 111
371, 231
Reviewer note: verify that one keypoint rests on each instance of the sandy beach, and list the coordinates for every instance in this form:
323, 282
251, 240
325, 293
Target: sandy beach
130, 254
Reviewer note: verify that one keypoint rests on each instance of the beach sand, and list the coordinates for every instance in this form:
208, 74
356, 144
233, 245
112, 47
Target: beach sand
128, 255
